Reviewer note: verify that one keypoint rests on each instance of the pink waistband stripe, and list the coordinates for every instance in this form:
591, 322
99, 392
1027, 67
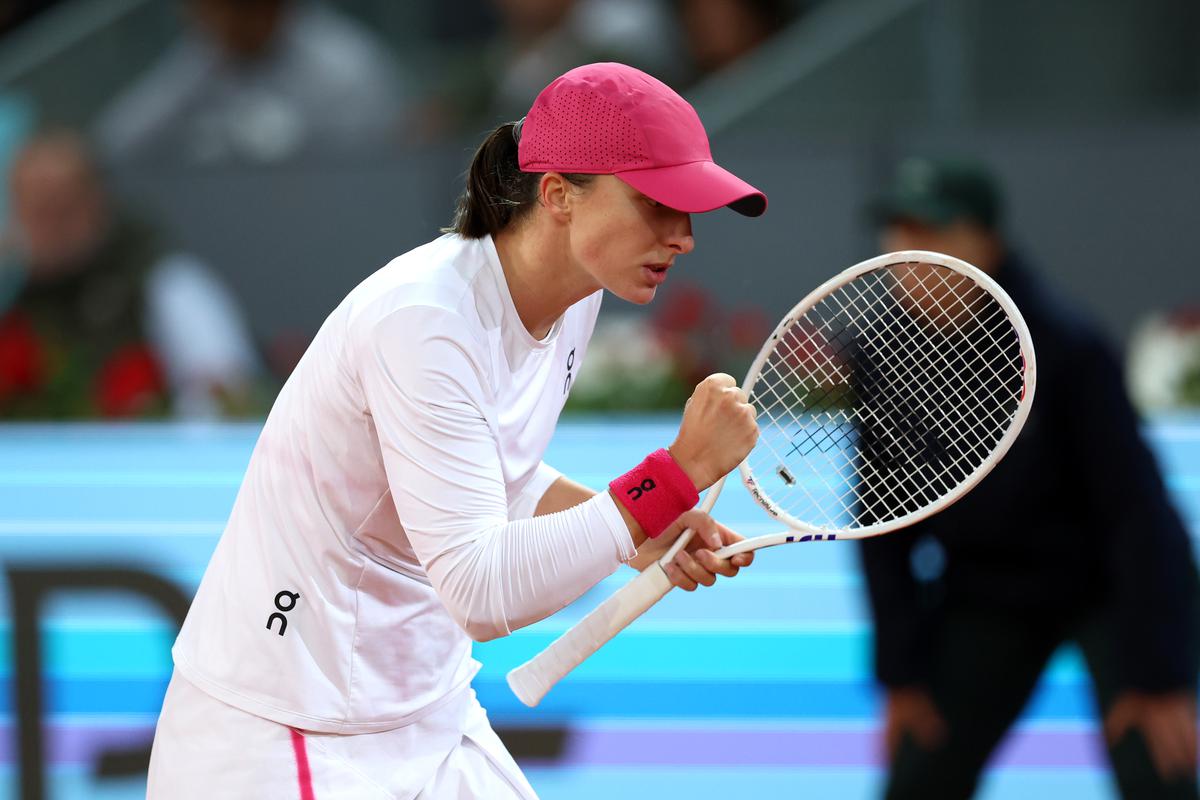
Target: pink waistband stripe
303, 774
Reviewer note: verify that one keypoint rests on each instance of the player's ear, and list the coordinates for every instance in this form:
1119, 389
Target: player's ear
554, 195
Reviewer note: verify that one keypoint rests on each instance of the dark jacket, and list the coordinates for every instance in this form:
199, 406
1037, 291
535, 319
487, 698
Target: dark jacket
1074, 519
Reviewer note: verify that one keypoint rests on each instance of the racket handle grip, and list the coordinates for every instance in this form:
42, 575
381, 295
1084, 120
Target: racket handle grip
532, 680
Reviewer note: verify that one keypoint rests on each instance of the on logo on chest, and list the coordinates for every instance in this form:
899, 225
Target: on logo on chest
570, 369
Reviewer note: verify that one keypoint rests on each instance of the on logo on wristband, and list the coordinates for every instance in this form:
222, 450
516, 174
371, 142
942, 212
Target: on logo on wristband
657, 509
636, 492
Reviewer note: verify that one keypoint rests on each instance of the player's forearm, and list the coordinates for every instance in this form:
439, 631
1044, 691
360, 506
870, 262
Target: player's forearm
515, 574
562, 494
565, 493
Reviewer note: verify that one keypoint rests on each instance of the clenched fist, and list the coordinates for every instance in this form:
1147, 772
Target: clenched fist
717, 432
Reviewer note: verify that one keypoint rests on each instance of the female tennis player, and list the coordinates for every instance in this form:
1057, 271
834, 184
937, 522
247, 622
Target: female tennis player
396, 505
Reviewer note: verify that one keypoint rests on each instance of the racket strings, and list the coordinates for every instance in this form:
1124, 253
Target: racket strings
995, 315
933, 484
893, 423
956, 374
841, 440
884, 396
913, 389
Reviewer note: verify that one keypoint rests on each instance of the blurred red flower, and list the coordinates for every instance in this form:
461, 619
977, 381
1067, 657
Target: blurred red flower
130, 384
748, 328
1185, 319
685, 309
22, 357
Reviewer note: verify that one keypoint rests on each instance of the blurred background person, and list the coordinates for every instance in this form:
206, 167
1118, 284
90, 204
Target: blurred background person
1164, 359
533, 41
1070, 539
260, 81
719, 32
99, 317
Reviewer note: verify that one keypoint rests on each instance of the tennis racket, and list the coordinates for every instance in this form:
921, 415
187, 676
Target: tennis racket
884, 396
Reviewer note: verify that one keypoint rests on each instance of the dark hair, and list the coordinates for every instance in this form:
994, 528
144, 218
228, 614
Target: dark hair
498, 193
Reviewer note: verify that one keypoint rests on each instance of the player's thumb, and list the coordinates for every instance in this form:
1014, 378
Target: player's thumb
704, 527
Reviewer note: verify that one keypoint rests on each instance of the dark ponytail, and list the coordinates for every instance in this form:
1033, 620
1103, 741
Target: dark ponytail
498, 193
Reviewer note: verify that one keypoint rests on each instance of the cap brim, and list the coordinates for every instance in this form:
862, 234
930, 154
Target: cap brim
697, 187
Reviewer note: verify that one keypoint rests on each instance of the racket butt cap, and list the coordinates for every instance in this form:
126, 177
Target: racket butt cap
526, 685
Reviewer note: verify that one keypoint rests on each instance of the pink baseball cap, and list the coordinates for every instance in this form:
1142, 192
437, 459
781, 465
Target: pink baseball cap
612, 119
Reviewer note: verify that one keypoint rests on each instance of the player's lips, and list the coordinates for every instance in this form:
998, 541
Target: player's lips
656, 273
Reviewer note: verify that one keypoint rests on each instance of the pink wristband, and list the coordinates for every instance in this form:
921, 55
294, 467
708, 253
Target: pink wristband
656, 492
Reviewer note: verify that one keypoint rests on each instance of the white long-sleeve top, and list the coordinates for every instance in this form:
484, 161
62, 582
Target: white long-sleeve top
386, 511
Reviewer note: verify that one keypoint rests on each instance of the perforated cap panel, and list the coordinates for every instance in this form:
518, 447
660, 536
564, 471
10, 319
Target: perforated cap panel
603, 139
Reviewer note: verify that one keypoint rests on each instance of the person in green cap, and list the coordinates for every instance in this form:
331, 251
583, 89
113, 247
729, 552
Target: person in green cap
1071, 539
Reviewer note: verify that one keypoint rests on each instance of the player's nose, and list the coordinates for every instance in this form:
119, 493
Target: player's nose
679, 235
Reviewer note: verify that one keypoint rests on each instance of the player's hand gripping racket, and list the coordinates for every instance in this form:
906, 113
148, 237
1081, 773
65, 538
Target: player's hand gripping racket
884, 396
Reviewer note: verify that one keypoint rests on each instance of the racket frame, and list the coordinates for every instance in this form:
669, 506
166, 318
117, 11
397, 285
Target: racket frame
818, 294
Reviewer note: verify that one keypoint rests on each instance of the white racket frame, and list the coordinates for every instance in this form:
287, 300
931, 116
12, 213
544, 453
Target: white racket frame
532, 680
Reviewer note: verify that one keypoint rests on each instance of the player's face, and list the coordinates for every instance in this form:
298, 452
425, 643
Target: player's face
624, 240
59, 212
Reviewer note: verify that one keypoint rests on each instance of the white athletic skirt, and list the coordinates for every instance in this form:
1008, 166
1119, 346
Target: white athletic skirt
205, 749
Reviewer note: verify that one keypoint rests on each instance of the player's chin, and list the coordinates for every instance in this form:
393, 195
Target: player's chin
640, 295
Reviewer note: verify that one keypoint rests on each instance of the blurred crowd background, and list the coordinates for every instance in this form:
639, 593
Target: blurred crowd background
192, 185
